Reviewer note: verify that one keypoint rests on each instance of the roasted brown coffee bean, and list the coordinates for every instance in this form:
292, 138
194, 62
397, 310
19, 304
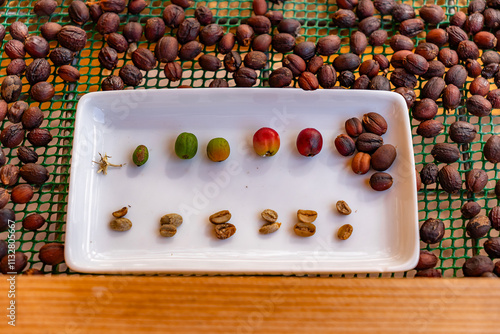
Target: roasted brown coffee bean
430, 128
358, 42
354, 127
16, 111
188, 30
304, 229
153, 30
456, 75
427, 50
426, 260
211, 34
173, 16
478, 106
275, 17
475, 180
37, 47
375, 123
308, 81
473, 68
109, 22
245, 77
401, 78
467, 50
451, 97
305, 50
462, 132
437, 36
494, 216
44, 7
365, 9
261, 43
429, 174
432, 231
378, 38
445, 152
12, 135
117, 42
295, 63
9, 175
173, 71
108, 57
14, 266
61, 56
78, 12
289, 26
491, 149
314, 64
415, 64
470, 210
433, 88
218, 83
474, 23
18, 30
432, 14
68, 73
411, 27
398, 58
361, 83
403, 12
269, 215
232, 61
143, 59
132, 31
112, 82
209, 62
27, 155
456, 35
34, 174
381, 181
401, 42
21, 194
256, 60
136, 6
38, 70
485, 40
346, 62
369, 25
33, 222
408, 95
260, 24
166, 49
73, 38
478, 227
383, 157
130, 75
204, 15
479, 86
448, 57
284, 42
369, 68
42, 91
450, 179
281, 77
436, 69
190, 50
345, 145
14, 49
224, 231
368, 142
346, 79
226, 44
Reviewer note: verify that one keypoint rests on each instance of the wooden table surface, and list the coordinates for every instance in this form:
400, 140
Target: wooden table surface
127, 304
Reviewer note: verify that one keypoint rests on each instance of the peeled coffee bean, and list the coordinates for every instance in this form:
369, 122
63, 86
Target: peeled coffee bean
478, 105
432, 231
401, 42
379, 82
34, 174
381, 181
398, 58
436, 69
450, 179
346, 79
36, 46
361, 83
12, 135
219, 83
27, 155
462, 132
68, 73
402, 12
16, 67
408, 95
445, 152
16, 111
411, 27
18, 30
456, 35
44, 7
467, 50
370, 68
494, 216
369, 25
378, 38
437, 36
244, 34
494, 98
314, 64
479, 86
262, 43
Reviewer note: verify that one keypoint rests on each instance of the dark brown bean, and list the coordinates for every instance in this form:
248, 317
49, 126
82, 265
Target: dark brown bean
190, 50
346, 62
61, 56
445, 152
183, 3
474, 23
308, 81
166, 49
470, 210
432, 14
188, 30
429, 174
18, 30
130, 75
132, 32
345, 145
427, 50
346, 79
109, 22
478, 227
173, 71
37, 47
362, 82
305, 50
136, 6
494, 98
401, 78
403, 12
284, 42
479, 86
450, 179
245, 77
173, 16
491, 18
448, 57
42, 91
398, 58
50, 30
494, 216
95, 12
295, 63
408, 94
38, 70
16, 67
78, 12
289, 26
117, 42
143, 59
451, 97
385, 7
458, 19
15, 49
275, 17
456, 75
436, 69
261, 43
153, 30
314, 64
281, 77
411, 27
368, 142
326, 46
485, 40
491, 149
437, 36
369, 68
478, 106
232, 61
209, 62
211, 34
456, 35
344, 18
44, 7
108, 57
477, 265
426, 260
11, 88
358, 42
492, 247
226, 44
415, 64
467, 50
432, 231
383, 157
32, 118
369, 25
433, 88
73, 38
16, 111
365, 9
475, 180
462, 132
204, 15
260, 24
400, 42
381, 181
27, 155
378, 38
473, 68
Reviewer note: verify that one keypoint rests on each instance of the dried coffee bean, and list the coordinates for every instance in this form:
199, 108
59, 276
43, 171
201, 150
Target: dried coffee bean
173, 71
490, 57
108, 57
451, 97
18, 30
408, 95
232, 61
326, 46
211, 34
132, 31
398, 58
295, 63
120, 224
173, 16
190, 50
343, 208
344, 232
450, 179
478, 105
120, 213
21, 194
427, 50
411, 27
429, 273
378, 38
478, 227
438, 36
474, 23
183, 3
470, 210
166, 49
275, 17
430, 128
218, 83
490, 70
204, 15
112, 82
44, 7
117, 42
402, 12
473, 68
6, 216
494, 216
36, 46
26, 155
375, 123
78, 12
346, 79
476, 6
369, 67
130, 75
226, 44
467, 50
42, 91
305, 50
281, 77
256, 60
210, 62
260, 24
220, 217
16, 111
284, 42
115, 6
456, 35
261, 43
314, 64
327, 76
365, 9
432, 14
13, 265
73, 38
445, 152
433, 88
61, 56
424, 109
95, 12
432, 231
401, 42
361, 83
289, 26
171, 219
485, 40
415, 64
12, 135
345, 145
494, 98
304, 229
188, 30
368, 142
16, 67
269, 215
369, 25
385, 7
426, 260
68, 73
308, 81
491, 18
33, 222
448, 57
475, 180
9, 175
492, 247
244, 35
429, 174
383, 157
307, 216
401, 78
381, 181
143, 59
11, 88
358, 42
456, 75
39, 70
462, 132
224, 231
269, 228
136, 6
346, 62
153, 30
436, 69
34, 174
39, 137
491, 149
479, 86
354, 127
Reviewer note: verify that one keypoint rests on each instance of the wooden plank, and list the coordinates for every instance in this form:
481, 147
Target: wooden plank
117, 304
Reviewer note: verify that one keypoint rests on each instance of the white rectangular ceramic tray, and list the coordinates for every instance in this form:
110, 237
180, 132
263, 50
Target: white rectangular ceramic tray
385, 237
